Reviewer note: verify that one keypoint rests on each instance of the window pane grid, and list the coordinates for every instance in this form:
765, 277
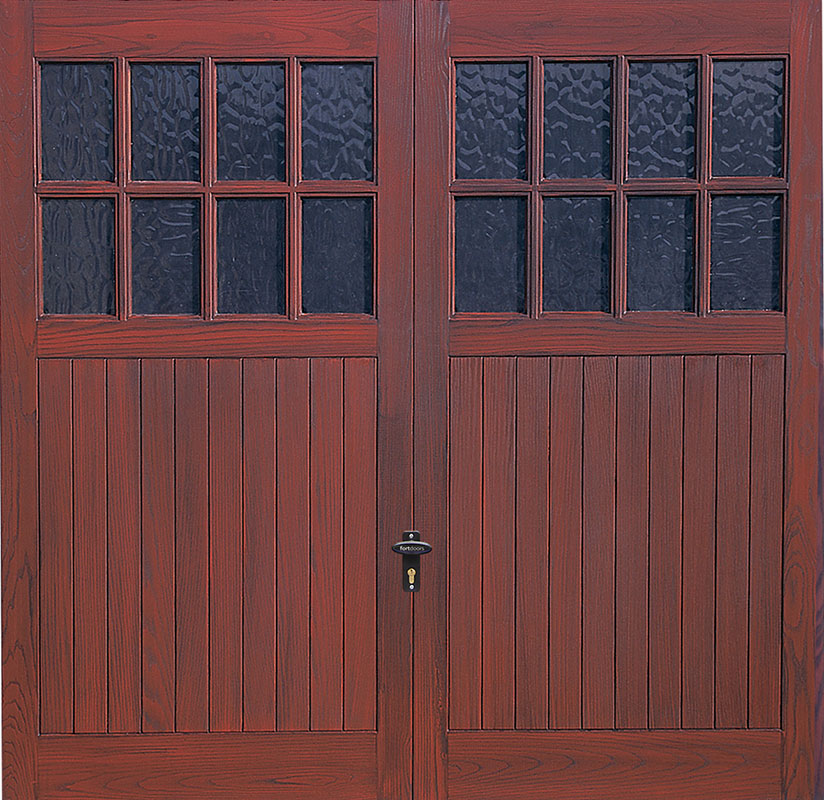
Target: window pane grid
206, 178
695, 98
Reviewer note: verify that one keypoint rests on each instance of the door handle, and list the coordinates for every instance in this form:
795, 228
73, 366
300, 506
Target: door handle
411, 548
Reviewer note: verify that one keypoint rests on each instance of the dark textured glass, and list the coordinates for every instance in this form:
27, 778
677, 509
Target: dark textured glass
337, 255
747, 117
78, 256
336, 129
251, 118
165, 256
251, 255
490, 253
745, 252
577, 119
490, 120
660, 253
576, 253
662, 119
77, 122
165, 122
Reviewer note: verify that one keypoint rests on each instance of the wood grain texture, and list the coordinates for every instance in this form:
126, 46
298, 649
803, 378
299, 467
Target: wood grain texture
732, 542
192, 544
590, 765
531, 541
226, 546
123, 439
485, 28
56, 548
158, 544
665, 540
216, 766
632, 544
598, 659
146, 337
359, 524
766, 479
565, 544
498, 546
89, 468
292, 674
698, 572
259, 544
326, 545
156, 28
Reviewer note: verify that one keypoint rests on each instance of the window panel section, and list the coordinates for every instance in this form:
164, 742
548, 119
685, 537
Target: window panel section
660, 253
490, 252
336, 130
662, 119
576, 254
165, 256
165, 122
78, 256
337, 255
577, 119
77, 122
747, 117
745, 252
251, 256
490, 120
251, 118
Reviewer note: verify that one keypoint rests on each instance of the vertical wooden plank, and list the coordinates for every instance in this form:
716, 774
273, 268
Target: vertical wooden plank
326, 544
90, 476
498, 592
465, 541
598, 680
259, 546
665, 480
56, 547
732, 542
565, 437
698, 573
631, 543
359, 524
226, 556
532, 543
293, 544
123, 437
766, 499
192, 542
158, 543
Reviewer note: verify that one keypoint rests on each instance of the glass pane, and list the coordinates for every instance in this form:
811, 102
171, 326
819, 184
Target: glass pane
660, 253
490, 254
747, 117
662, 119
576, 253
336, 103
745, 252
577, 119
250, 122
490, 121
251, 256
165, 122
165, 256
337, 255
77, 122
78, 256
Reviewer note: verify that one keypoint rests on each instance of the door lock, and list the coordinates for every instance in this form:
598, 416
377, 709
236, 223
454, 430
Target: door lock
411, 548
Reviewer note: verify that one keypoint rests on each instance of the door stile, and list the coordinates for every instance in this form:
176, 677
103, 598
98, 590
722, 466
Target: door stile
432, 303
803, 665
18, 387
395, 478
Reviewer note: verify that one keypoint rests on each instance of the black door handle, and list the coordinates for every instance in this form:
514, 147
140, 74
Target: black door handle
411, 548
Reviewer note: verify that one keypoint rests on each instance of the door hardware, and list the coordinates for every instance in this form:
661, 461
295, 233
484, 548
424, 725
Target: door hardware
411, 548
